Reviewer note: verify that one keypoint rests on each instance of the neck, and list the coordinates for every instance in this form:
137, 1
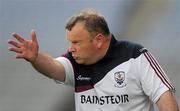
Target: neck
103, 50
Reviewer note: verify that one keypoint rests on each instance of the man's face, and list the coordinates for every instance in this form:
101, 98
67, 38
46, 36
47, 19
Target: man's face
82, 45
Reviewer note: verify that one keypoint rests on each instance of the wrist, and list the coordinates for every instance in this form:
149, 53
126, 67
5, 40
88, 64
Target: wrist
34, 59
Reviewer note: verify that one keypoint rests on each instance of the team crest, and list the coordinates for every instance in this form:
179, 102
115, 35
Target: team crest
120, 79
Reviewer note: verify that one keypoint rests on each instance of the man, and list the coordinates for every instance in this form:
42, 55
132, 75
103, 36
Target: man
108, 75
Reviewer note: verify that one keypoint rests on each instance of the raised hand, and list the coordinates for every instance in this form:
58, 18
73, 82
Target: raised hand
25, 49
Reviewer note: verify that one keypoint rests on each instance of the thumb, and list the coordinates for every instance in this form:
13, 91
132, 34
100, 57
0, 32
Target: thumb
33, 35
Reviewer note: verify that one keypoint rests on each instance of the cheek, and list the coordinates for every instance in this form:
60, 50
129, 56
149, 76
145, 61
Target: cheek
87, 50
90, 51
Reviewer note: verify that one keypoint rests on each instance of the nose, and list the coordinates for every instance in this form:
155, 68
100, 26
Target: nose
71, 48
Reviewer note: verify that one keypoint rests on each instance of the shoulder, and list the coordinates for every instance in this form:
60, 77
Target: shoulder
129, 49
68, 55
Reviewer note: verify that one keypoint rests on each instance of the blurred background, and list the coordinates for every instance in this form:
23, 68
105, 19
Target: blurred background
153, 23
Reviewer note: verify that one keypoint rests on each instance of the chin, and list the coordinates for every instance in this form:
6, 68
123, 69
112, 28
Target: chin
79, 61
82, 62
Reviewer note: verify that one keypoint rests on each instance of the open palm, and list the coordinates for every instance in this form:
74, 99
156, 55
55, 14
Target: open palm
25, 49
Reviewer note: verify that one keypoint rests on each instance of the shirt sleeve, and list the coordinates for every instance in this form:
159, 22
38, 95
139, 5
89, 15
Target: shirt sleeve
69, 78
153, 79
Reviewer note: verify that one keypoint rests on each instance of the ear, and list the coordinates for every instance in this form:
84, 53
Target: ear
99, 40
99, 44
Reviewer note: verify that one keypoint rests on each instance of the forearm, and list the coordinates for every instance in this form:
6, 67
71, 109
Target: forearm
167, 102
49, 67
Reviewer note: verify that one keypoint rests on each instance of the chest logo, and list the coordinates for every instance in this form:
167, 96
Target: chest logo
120, 79
81, 78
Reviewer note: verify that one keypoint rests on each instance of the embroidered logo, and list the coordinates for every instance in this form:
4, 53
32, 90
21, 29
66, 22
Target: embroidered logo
83, 78
120, 79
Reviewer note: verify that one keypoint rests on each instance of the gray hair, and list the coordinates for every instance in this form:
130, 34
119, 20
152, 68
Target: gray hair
94, 22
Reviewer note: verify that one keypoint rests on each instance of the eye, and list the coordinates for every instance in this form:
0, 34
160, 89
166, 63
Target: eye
76, 42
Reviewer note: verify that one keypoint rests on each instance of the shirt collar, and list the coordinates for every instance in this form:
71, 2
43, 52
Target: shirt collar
109, 53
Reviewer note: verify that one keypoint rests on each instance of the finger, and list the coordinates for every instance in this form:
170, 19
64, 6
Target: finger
19, 56
14, 49
33, 35
14, 43
18, 37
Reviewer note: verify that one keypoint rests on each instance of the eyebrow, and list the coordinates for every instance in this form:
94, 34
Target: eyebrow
75, 41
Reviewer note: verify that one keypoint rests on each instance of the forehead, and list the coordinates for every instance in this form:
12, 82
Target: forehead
78, 32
